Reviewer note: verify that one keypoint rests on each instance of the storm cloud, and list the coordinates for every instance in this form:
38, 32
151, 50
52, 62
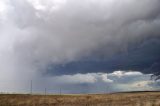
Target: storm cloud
40, 39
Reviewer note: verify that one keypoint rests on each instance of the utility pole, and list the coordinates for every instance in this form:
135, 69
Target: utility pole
106, 89
45, 92
60, 91
31, 88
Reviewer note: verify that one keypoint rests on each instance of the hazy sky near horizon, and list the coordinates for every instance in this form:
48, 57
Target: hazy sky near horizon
79, 43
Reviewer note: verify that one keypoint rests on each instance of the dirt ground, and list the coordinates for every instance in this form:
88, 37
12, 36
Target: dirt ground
115, 99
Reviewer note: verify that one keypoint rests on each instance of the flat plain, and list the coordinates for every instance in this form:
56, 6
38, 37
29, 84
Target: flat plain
114, 99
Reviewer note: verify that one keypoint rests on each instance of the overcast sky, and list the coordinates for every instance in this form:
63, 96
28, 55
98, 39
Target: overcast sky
80, 46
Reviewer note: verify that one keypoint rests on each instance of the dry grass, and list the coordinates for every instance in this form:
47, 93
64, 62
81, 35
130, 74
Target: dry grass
117, 99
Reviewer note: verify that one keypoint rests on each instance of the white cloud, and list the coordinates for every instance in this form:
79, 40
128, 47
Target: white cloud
105, 78
124, 73
2, 6
83, 78
143, 84
140, 85
47, 5
77, 78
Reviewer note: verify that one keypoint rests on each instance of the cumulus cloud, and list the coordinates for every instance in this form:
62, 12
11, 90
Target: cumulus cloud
83, 78
35, 34
123, 73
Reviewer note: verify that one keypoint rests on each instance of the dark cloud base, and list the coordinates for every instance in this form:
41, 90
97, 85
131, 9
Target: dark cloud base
144, 57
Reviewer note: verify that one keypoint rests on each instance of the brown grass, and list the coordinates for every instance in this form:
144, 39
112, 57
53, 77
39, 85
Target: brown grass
117, 99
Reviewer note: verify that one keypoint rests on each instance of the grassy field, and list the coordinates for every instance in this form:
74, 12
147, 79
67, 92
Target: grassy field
116, 99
